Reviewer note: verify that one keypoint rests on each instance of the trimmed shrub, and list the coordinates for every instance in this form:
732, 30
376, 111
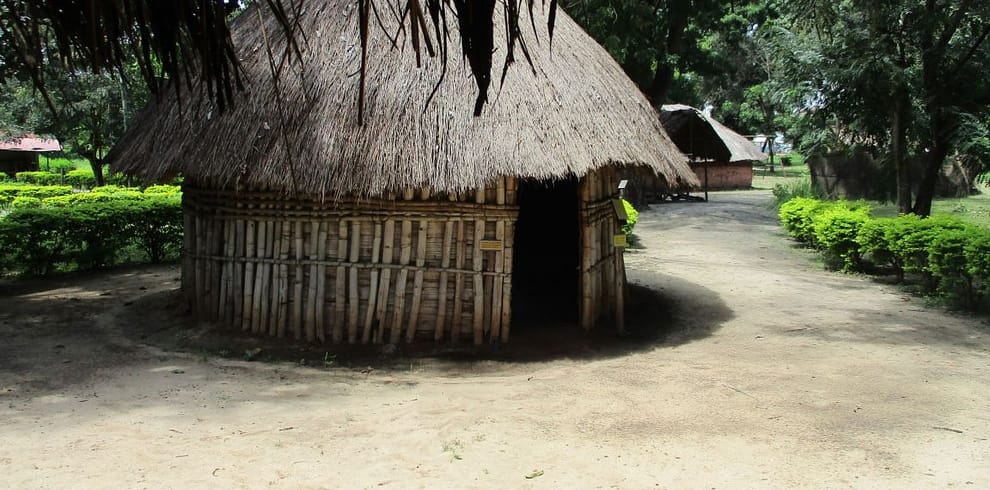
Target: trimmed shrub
632, 217
39, 178
80, 179
977, 253
25, 202
90, 234
9, 192
93, 196
171, 190
909, 243
836, 228
796, 217
948, 265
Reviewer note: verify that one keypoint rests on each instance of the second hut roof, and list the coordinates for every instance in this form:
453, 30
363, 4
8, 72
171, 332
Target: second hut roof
576, 113
705, 138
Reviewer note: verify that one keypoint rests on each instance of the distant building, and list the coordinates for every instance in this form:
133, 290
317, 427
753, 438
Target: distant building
718, 155
21, 154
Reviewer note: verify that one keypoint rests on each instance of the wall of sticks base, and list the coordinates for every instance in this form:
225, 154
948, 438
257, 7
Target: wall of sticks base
418, 265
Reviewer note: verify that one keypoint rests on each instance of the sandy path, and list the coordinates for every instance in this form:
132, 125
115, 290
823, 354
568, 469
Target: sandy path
775, 374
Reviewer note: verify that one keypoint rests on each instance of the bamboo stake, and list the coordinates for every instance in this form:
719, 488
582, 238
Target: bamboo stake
249, 276
259, 274
297, 282
405, 252
620, 293
266, 281
388, 244
321, 283
314, 236
237, 292
369, 317
448, 233
283, 278
479, 284
224, 276
273, 287
507, 282
418, 280
353, 313
340, 285
455, 326
498, 284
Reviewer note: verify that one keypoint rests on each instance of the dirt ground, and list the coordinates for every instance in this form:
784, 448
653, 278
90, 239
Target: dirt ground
751, 367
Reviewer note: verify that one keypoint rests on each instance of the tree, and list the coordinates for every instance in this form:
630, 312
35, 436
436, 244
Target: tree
90, 111
905, 76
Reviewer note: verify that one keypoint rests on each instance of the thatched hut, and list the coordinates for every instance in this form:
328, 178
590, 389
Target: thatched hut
424, 222
721, 158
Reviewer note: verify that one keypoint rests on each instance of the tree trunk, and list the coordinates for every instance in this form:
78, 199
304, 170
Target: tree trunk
677, 22
898, 138
926, 188
97, 165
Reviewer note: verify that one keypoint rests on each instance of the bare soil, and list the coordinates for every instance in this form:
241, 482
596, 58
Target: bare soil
747, 366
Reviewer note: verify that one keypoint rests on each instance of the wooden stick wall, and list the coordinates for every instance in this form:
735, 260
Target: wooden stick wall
406, 267
602, 268
411, 266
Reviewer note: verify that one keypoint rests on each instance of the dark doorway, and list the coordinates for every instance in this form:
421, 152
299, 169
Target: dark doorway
546, 253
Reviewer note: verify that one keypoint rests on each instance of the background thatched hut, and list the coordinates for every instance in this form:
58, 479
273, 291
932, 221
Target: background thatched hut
425, 222
719, 156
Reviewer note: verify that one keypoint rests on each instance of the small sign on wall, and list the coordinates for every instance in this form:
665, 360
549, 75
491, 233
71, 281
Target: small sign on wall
619, 241
490, 245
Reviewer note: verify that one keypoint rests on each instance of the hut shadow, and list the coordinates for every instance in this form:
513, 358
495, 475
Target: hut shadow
664, 311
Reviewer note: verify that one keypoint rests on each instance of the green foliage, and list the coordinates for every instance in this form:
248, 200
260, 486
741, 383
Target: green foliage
800, 188
796, 216
167, 190
951, 256
632, 217
9, 192
90, 234
836, 228
39, 178
25, 202
80, 179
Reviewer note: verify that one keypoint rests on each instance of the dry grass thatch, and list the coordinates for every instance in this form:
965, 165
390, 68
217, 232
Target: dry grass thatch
705, 138
578, 112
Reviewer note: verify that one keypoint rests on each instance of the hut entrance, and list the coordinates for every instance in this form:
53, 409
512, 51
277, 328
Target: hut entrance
546, 253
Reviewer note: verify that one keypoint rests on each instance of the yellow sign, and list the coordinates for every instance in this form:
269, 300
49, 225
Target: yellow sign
619, 240
490, 245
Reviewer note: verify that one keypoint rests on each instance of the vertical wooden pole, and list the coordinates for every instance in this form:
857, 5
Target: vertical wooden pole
266, 278
388, 245
456, 318
273, 293
297, 281
340, 285
250, 248
405, 253
314, 236
418, 280
285, 241
321, 282
354, 289
478, 265
448, 232
237, 290
369, 317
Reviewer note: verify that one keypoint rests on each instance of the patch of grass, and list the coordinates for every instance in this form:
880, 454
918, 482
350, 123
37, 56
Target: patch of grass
973, 209
453, 447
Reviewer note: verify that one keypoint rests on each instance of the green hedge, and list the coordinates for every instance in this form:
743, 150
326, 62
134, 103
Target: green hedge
90, 234
10, 192
632, 217
950, 257
78, 178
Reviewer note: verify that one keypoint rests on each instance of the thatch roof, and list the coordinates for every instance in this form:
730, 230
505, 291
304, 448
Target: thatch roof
579, 112
705, 138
